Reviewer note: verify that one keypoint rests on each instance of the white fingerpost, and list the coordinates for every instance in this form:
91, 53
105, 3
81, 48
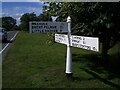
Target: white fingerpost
69, 55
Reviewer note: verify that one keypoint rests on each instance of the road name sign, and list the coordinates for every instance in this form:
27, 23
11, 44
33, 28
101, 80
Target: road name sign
89, 43
37, 26
61, 38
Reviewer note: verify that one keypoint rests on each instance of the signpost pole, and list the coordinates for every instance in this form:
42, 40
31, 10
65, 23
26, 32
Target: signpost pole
69, 55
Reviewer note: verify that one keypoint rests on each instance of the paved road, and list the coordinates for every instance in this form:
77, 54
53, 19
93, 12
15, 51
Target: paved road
7, 45
10, 36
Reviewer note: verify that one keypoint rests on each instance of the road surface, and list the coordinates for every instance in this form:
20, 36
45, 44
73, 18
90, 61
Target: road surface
7, 45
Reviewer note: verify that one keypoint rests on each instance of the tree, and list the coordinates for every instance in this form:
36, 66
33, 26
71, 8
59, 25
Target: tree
25, 19
8, 23
91, 19
16, 27
44, 17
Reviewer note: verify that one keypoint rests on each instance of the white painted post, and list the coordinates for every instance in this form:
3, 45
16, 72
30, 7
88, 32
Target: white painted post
30, 29
69, 55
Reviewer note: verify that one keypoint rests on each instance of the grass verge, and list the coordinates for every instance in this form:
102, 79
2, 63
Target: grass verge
32, 63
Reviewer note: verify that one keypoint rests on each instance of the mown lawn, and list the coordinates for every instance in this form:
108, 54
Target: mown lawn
32, 63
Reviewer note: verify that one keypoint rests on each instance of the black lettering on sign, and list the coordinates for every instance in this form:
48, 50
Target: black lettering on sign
80, 38
61, 27
94, 49
32, 27
41, 23
33, 24
36, 27
84, 41
85, 47
88, 48
75, 41
60, 30
74, 44
40, 27
46, 27
51, 26
60, 39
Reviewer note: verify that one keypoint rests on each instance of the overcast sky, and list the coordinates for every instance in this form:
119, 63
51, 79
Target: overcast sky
17, 9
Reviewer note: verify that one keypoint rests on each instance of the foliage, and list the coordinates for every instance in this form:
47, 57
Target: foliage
91, 19
16, 27
25, 20
27, 17
44, 17
50, 38
8, 23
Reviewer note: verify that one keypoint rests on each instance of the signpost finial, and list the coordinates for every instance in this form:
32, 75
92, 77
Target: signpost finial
68, 19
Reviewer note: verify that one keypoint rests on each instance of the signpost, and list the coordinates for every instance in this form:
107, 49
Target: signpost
43, 27
89, 43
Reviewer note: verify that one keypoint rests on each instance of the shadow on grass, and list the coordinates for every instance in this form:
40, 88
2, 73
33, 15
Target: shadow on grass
100, 78
94, 62
95, 67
